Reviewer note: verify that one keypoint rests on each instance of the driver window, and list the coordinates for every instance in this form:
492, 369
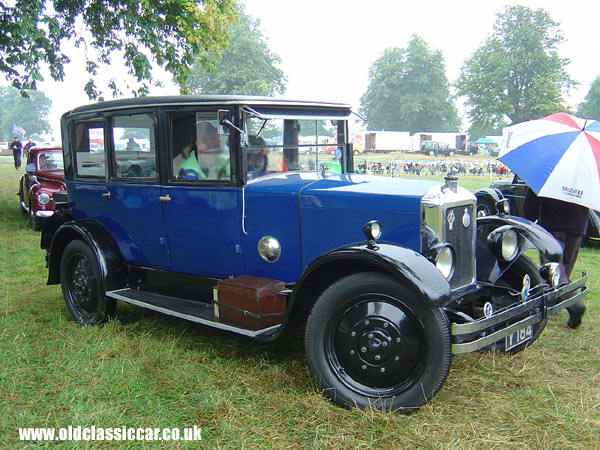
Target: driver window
198, 151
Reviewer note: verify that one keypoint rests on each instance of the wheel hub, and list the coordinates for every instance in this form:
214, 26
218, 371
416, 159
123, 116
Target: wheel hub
81, 286
377, 345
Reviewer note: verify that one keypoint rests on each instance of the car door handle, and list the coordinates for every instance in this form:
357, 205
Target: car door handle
165, 198
106, 194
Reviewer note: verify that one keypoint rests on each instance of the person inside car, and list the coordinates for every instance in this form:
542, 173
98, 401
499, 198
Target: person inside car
204, 158
258, 159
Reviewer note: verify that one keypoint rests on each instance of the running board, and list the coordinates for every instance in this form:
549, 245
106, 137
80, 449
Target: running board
198, 312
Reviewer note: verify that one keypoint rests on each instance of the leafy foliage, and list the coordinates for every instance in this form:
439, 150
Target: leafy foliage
30, 113
408, 91
590, 107
247, 66
517, 71
174, 33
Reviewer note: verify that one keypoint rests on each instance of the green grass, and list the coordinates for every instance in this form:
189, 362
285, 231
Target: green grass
144, 369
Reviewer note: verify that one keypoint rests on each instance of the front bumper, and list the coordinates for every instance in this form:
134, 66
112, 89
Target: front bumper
471, 336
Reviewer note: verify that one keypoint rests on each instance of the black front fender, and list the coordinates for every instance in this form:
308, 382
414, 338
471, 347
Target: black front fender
409, 267
537, 236
489, 266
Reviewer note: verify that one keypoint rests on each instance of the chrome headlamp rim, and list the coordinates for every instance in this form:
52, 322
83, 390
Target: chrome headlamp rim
43, 198
443, 256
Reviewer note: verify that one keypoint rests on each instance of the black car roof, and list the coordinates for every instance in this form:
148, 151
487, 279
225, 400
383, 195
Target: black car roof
181, 100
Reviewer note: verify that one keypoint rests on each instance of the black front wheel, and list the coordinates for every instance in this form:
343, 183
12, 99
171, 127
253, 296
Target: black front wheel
371, 342
80, 279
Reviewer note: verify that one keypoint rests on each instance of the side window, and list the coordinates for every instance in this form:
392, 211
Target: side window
90, 159
134, 147
198, 152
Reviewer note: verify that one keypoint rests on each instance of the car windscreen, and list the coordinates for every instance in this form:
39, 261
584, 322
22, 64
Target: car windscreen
50, 161
281, 144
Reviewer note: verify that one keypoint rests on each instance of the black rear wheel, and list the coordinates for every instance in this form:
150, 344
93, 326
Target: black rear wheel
371, 342
80, 279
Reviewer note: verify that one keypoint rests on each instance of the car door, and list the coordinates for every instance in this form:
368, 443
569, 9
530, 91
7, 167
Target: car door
88, 197
135, 216
201, 202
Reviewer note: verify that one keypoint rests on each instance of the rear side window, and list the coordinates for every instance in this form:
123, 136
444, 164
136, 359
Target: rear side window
134, 147
90, 158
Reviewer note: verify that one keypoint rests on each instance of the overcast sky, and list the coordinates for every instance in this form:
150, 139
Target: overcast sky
327, 46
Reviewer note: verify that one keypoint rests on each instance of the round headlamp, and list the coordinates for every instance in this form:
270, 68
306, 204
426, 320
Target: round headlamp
510, 245
444, 260
43, 199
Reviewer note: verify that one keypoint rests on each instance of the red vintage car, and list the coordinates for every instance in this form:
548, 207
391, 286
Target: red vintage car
43, 176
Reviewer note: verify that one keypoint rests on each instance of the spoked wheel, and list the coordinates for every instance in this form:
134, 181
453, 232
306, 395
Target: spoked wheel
371, 342
513, 278
80, 280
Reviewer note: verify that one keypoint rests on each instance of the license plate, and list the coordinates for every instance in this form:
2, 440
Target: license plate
518, 337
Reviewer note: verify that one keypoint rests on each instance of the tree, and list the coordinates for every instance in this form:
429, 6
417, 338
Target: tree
517, 71
174, 33
590, 107
408, 91
247, 66
30, 113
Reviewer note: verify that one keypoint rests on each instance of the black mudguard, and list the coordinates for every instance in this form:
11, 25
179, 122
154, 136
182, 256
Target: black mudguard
489, 267
110, 261
410, 268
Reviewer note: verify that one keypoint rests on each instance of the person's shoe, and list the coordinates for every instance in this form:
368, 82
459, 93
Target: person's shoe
575, 314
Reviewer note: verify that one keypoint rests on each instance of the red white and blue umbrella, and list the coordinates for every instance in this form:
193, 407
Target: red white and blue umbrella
557, 156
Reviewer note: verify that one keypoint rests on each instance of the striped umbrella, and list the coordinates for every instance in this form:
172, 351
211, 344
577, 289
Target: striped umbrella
557, 156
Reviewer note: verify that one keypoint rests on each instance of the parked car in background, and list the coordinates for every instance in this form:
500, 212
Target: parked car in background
388, 277
43, 176
435, 148
513, 191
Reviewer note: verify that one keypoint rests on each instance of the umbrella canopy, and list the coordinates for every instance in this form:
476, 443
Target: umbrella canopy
485, 141
557, 156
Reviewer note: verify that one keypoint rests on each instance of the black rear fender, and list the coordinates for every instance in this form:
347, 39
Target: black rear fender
110, 261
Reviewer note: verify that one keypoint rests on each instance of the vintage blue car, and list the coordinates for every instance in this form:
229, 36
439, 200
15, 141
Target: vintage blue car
225, 219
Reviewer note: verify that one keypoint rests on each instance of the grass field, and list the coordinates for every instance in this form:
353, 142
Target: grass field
144, 369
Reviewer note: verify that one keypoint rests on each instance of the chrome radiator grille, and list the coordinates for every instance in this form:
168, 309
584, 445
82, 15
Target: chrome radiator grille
449, 211
459, 231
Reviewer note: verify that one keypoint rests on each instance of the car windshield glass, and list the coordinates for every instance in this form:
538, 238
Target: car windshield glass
280, 145
50, 161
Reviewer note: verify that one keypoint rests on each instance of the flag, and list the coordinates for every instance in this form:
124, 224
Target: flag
16, 129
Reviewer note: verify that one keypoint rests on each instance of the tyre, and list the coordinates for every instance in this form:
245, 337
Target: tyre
451, 153
34, 222
80, 279
513, 278
371, 342
431, 153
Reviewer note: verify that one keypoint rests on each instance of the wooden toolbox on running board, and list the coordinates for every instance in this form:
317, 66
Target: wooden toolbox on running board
248, 302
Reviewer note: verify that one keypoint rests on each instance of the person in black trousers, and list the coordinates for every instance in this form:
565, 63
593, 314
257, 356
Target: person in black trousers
16, 147
567, 222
